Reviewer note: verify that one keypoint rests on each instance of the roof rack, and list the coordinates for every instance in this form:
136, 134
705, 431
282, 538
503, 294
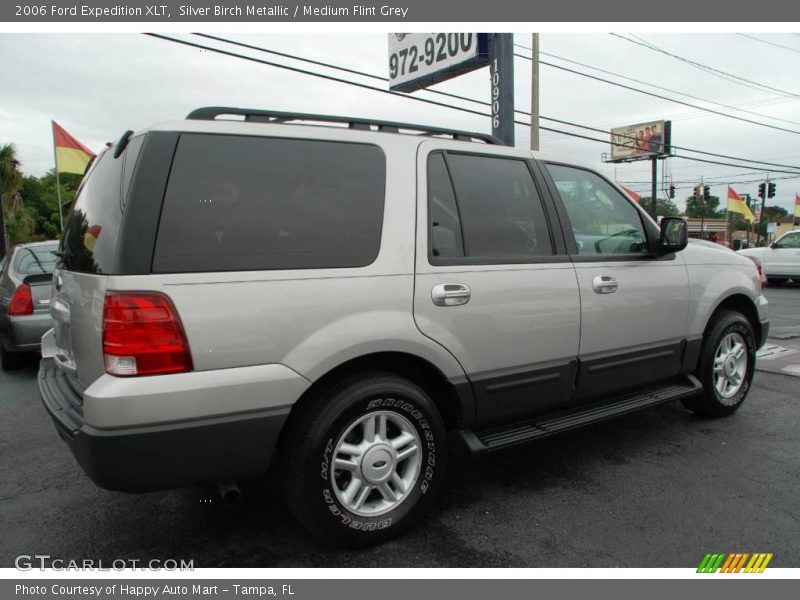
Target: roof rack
210, 113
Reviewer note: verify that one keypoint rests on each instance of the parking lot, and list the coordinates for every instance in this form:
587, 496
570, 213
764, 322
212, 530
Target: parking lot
654, 489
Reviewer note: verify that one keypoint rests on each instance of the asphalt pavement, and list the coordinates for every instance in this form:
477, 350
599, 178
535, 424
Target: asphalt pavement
655, 489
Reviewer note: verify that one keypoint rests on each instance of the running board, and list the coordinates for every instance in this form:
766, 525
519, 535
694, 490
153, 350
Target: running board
551, 424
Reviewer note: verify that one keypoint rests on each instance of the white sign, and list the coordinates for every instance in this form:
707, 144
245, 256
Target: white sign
771, 227
417, 60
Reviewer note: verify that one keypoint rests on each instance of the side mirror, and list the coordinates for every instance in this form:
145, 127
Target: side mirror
774, 245
674, 235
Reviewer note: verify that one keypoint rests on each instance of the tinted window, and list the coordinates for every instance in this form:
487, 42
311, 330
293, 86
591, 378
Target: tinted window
35, 259
129, 158
602, 220
445, 225
90, 239
500, 210
245, 203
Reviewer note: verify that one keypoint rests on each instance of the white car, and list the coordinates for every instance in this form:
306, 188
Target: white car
780, 260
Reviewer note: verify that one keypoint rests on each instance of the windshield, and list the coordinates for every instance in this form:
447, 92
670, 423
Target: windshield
31, 260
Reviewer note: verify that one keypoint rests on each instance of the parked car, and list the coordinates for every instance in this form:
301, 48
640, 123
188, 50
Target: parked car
26, 274
780, 260
346, 304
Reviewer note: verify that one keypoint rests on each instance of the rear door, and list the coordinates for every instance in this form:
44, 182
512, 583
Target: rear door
634, 306
88, 256
493, 283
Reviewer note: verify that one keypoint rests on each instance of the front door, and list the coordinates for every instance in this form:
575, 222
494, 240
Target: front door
493, 284
634, 306
782, 259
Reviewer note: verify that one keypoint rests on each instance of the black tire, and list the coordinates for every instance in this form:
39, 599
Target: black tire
710, 403
308, 449
10, 361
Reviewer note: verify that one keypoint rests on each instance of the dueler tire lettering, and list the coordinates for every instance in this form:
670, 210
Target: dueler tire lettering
311, 477
727, 326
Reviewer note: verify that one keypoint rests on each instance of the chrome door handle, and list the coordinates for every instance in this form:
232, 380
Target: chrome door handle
603, 284
450, 294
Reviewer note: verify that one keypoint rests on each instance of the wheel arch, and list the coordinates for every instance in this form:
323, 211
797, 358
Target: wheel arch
453, 397
738, 303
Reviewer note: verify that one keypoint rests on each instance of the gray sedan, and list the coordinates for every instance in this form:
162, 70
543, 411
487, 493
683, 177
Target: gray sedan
26, 274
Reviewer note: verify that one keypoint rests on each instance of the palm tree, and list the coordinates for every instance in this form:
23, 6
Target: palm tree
10, 173
10, 182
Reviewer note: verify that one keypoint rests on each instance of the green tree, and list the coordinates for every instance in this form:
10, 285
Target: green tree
708, 209
19, 224
15, 226
770, 214
10, 172
664, 207
40, 195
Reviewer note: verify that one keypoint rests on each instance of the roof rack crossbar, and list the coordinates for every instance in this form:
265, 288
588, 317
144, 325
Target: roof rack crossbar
210, 113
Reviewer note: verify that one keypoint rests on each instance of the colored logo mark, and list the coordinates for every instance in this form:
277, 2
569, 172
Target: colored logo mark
719, 562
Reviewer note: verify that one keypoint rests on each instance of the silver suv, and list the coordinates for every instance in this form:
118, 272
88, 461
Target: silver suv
350, 300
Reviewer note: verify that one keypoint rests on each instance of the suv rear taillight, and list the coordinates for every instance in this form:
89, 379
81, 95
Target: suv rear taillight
143, 335
21, 302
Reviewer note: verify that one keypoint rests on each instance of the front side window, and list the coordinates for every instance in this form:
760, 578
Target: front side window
603, 221
790, 240
484, 207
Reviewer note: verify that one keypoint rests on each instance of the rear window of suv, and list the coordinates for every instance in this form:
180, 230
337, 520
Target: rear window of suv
90, 239
238, 203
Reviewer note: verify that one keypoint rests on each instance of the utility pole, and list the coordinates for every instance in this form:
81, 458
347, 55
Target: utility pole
700, 199
654, 186
535, 91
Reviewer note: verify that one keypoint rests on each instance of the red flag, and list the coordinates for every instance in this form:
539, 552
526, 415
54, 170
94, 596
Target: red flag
634, 196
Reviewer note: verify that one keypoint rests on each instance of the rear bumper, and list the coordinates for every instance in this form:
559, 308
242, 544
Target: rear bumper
24, 333
151, 457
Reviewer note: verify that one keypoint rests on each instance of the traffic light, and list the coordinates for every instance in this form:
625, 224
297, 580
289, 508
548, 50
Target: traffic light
706, 192
698, 191
671, 191
762, 190
771, 190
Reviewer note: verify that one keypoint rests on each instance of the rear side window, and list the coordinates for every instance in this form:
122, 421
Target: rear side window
484, 207
90, 239
237, 203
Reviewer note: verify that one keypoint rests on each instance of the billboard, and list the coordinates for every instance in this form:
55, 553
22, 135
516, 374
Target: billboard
418, 60
643, 140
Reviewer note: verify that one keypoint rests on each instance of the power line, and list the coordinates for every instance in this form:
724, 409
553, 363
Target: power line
676, 101
717, 183
425, 100
467, 99
724, 74
660, 87
726, 177
752, 37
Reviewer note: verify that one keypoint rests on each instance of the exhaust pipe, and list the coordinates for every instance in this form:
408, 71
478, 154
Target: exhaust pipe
229, 492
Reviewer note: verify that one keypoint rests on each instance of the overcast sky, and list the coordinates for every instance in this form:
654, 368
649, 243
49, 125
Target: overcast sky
99, 85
